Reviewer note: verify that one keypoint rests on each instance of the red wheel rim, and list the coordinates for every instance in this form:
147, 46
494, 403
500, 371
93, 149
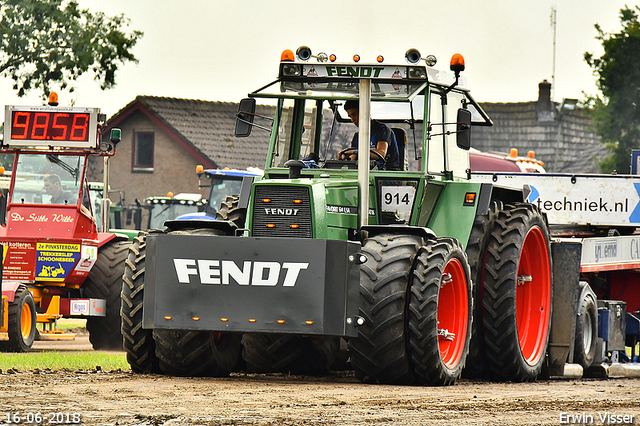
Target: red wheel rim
453, 313
533, 296
26, 321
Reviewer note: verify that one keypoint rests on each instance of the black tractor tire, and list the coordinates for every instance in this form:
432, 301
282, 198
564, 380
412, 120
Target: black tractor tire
138, 342
586, 328
286, 353
476, 253
230, 211
21, 322
440, 312
517, 299
105, 282
379, 354
197, 353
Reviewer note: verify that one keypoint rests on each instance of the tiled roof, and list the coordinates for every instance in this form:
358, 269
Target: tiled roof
586, 159
207, 126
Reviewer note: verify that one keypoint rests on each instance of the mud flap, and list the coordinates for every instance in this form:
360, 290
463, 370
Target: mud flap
566, 277
251, 285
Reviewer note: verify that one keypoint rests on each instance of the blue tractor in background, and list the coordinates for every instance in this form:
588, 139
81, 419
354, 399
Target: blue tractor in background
224, 183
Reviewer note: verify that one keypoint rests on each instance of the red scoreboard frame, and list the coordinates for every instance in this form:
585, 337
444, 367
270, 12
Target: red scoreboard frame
51, 126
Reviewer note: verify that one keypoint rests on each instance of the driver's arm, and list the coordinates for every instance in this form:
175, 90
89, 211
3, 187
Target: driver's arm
381, 148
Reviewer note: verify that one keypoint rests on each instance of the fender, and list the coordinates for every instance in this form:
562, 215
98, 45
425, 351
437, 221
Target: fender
228, 227
196, 216
9, 289
490, 192
105, 237
419, 231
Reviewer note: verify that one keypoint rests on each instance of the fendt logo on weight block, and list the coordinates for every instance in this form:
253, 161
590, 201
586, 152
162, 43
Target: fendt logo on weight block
251, 273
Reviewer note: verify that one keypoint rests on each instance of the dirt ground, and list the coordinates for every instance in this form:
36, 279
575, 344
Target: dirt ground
123, 398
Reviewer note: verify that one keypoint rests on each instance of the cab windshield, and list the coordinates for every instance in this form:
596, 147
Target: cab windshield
312, 112
47, 179
325, 128
162, 212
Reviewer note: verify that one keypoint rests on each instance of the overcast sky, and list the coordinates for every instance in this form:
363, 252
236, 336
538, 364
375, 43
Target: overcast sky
218, 50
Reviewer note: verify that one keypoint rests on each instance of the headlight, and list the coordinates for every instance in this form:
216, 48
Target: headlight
418, 73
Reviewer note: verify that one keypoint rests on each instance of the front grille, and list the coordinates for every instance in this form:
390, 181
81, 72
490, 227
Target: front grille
280, 216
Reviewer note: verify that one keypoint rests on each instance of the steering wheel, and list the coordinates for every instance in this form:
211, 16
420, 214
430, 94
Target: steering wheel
375, 153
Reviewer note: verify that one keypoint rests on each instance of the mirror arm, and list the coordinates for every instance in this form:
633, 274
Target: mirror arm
242, 120
240, 114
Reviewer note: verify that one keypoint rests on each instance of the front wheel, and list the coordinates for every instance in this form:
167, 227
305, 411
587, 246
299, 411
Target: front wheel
517, 294
196, 353
22, 322
440, 312
287, 353
379, 354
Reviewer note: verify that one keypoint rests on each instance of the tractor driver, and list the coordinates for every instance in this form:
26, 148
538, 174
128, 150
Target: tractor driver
383, 141
53, 187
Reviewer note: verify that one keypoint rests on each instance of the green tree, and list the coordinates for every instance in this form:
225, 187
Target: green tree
45, 42
617, 110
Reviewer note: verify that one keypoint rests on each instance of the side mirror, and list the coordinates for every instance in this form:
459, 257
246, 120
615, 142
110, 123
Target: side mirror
463, 129
244, 118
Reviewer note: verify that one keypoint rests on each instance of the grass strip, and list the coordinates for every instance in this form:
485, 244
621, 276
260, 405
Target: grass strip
53, 360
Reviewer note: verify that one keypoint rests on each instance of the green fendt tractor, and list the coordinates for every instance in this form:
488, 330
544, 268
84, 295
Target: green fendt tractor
384, 251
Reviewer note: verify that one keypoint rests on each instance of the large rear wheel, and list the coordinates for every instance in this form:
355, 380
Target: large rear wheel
440, 312
21, 322
105, 282
230, 211
517, 294
477, 253
380, 352
138, 342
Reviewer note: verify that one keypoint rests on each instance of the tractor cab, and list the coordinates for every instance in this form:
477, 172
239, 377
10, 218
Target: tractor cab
49, 196
414, 101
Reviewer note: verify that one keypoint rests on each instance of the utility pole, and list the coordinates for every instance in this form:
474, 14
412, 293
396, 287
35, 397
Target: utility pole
553, 73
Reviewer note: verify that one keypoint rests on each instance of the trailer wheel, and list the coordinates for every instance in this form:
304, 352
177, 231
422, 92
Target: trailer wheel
517, 294
586, 328
196, 353
21, 322
105, 282
286, 353
230, 211
138, 342
440, 312
477, 253
380, 351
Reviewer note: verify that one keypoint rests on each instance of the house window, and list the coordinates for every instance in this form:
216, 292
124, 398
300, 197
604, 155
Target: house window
143, 143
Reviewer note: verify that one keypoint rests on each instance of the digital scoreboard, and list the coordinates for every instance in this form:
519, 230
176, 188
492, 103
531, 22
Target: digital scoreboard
45, 126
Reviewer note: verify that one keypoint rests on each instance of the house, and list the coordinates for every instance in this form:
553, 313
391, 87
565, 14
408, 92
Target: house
163, 139
562, 135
